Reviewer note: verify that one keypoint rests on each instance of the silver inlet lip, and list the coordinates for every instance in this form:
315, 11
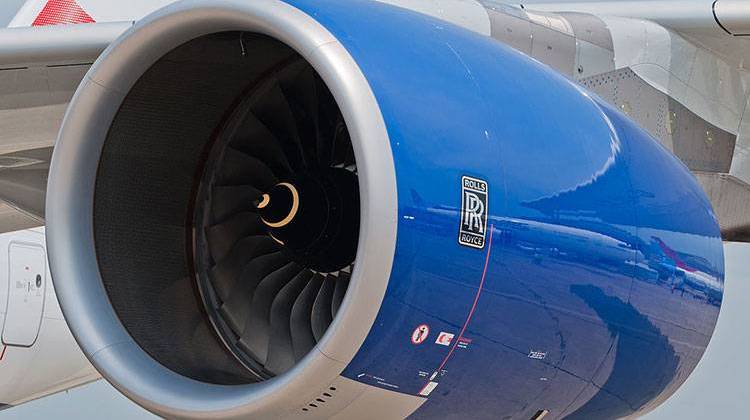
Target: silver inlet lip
69, 210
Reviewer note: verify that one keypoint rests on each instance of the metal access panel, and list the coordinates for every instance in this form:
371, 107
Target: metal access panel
26, 285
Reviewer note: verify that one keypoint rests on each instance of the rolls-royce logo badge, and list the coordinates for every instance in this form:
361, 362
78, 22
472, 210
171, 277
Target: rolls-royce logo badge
473, 229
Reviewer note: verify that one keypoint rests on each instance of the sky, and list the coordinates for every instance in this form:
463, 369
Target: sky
8, 9
717, 388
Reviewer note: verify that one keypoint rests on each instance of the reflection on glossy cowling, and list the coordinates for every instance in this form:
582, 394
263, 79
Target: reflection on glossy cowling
639, 347
600, 296
601, 285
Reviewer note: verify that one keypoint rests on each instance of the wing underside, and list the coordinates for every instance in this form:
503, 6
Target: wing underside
40, 69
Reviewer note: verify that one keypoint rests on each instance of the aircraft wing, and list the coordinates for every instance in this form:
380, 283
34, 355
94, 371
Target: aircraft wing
720, 26
40, 69
721, 16
690, 55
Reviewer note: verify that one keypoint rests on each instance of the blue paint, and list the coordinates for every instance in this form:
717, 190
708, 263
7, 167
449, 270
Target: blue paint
605, 275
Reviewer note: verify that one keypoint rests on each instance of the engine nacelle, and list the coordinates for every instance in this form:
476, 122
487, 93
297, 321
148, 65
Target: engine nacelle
343, 208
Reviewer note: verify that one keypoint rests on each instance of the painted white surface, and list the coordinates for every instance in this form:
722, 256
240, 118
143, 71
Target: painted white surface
118, 11
734, 16
27, 279
680, 14
54, 362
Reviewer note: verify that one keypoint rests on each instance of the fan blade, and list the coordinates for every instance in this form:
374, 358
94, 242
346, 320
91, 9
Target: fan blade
343, 153
236, 308
186, 323
274, 112
320, 317
303, 339
222, 237
255, 337
228, 200
342, 283
255, 139
241, 169
280, 348
226, 272
300, 91
327, 119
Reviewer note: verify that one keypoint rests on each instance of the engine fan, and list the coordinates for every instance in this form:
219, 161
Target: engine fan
277, 220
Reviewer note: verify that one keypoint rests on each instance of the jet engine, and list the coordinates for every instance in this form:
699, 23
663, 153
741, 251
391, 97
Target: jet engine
346, 209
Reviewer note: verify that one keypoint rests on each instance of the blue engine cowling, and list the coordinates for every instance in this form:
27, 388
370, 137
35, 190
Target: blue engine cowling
550, 255
573, 305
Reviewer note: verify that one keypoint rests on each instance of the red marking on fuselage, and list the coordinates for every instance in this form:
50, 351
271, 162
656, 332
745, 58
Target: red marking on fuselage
57, 12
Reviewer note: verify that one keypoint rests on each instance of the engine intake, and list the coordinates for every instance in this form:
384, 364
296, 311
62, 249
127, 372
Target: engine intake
183, 273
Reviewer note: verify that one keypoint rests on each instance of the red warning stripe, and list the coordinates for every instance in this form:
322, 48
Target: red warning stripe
57, 12
460, 337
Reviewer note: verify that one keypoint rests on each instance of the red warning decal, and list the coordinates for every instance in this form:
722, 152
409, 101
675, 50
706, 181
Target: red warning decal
57, 12
444, 339
420, 334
